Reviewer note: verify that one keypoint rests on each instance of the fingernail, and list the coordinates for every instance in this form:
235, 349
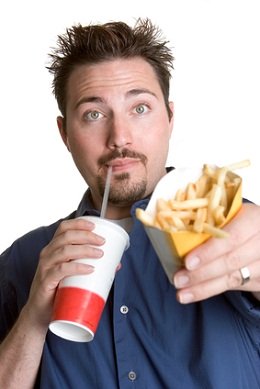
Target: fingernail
181, 281
87, 223
99, 253
90, 269
186, 297
192, 263
101, 240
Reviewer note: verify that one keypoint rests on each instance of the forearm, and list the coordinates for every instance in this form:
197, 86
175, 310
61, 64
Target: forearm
20, 354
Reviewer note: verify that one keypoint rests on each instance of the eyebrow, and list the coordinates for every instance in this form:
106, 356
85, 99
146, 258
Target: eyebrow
130, 93
90, 99
136, 92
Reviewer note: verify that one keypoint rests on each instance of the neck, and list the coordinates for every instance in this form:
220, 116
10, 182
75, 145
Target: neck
116, 213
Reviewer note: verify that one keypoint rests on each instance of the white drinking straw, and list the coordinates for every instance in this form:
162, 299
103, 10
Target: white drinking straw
106, 192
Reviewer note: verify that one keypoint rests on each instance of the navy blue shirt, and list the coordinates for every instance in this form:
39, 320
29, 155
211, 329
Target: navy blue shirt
145, 339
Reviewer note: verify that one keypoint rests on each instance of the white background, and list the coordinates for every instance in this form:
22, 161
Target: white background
215, 87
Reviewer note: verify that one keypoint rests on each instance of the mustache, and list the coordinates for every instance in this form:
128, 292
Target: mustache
124, 153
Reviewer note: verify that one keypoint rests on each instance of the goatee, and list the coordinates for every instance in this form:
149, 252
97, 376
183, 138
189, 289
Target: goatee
122, 191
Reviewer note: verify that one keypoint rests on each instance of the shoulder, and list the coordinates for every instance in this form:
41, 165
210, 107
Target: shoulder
36, 239
21, 258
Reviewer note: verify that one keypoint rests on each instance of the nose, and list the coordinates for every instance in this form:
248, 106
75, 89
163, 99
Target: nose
120, 134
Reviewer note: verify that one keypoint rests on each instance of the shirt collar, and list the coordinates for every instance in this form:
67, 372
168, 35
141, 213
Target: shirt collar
86, 207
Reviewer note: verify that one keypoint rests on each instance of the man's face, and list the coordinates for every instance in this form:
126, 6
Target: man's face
116, 116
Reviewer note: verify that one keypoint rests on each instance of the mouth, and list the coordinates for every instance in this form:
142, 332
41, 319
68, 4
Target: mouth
120, 165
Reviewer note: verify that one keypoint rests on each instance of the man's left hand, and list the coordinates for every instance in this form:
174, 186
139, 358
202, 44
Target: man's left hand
219, 265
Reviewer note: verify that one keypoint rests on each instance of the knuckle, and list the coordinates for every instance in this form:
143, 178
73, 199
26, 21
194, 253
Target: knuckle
234, 237
233, 280
44, 251
67, 236
233, 261
64, 253
62, 227
62, 267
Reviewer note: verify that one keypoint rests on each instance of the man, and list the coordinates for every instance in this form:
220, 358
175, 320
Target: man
111, 83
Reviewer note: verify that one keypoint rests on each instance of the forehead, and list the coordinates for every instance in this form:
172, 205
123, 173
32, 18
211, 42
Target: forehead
117, 75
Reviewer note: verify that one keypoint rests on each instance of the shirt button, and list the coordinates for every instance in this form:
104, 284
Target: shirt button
124, 309
132, 375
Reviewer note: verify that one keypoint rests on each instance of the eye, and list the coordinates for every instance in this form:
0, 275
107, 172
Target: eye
141, 108
93, 115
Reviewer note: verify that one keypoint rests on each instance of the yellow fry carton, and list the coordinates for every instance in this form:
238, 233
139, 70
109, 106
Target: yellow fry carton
188, 206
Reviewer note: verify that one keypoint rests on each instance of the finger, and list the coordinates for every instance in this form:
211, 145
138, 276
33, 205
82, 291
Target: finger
66, 269
215, 247
78, 237
226, 264
201, 291
62, 245
119, 266
55, 274
74, 224
253, 284
71, 252
215, 286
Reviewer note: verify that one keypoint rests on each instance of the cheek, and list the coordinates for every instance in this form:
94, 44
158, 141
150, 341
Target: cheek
157, 143
82, 144
84, 153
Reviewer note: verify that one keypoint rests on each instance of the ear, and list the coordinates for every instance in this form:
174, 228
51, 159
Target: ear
62, 130
171, 106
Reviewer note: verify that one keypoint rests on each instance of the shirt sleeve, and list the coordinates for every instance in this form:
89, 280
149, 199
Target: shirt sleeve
8, 300
17, 268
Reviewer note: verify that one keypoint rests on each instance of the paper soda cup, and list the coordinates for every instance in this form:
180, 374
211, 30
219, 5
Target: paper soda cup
80, 300
171, 247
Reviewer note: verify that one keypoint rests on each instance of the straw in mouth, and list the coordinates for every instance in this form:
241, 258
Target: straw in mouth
106, 193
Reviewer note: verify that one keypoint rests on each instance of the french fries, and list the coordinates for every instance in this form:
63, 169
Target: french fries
201, 207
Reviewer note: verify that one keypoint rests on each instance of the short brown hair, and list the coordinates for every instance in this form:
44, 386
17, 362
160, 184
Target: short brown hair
96, 43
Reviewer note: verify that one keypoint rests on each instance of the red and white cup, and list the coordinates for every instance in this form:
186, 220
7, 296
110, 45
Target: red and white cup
80, 300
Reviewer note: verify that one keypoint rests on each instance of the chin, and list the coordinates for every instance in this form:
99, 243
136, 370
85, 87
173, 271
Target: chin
127, 193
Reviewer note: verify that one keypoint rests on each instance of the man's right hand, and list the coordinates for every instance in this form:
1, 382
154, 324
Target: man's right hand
73, 239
